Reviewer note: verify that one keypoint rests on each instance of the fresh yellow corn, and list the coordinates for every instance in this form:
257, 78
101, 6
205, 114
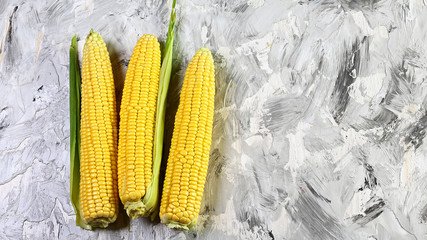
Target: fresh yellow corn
98, 170
137, 119
189, 153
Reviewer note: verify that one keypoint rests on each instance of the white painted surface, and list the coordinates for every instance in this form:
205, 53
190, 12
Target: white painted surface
320, 117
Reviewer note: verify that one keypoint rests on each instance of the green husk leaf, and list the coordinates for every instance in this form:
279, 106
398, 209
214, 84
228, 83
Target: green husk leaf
151, 198
75, 82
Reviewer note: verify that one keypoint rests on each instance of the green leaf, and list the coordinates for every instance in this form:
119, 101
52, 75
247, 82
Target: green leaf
75, 82
151, 198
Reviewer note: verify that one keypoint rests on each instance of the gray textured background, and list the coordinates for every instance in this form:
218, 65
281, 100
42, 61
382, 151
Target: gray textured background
320, 116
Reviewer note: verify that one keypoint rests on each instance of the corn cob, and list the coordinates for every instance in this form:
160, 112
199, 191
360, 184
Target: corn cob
189, 153
137, 119
98, 170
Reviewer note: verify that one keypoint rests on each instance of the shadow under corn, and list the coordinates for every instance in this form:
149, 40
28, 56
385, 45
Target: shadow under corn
119, 67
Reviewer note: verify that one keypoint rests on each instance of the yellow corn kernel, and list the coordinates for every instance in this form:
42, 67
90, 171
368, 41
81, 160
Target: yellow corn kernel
189, 156
98, 181
137, 119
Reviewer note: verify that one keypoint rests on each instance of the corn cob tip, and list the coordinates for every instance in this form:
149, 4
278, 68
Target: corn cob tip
177, 225
136, 209
101, 222
204, 49
147, 35
93, 35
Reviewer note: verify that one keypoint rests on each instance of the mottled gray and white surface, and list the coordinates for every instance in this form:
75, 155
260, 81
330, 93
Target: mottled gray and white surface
320, 117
